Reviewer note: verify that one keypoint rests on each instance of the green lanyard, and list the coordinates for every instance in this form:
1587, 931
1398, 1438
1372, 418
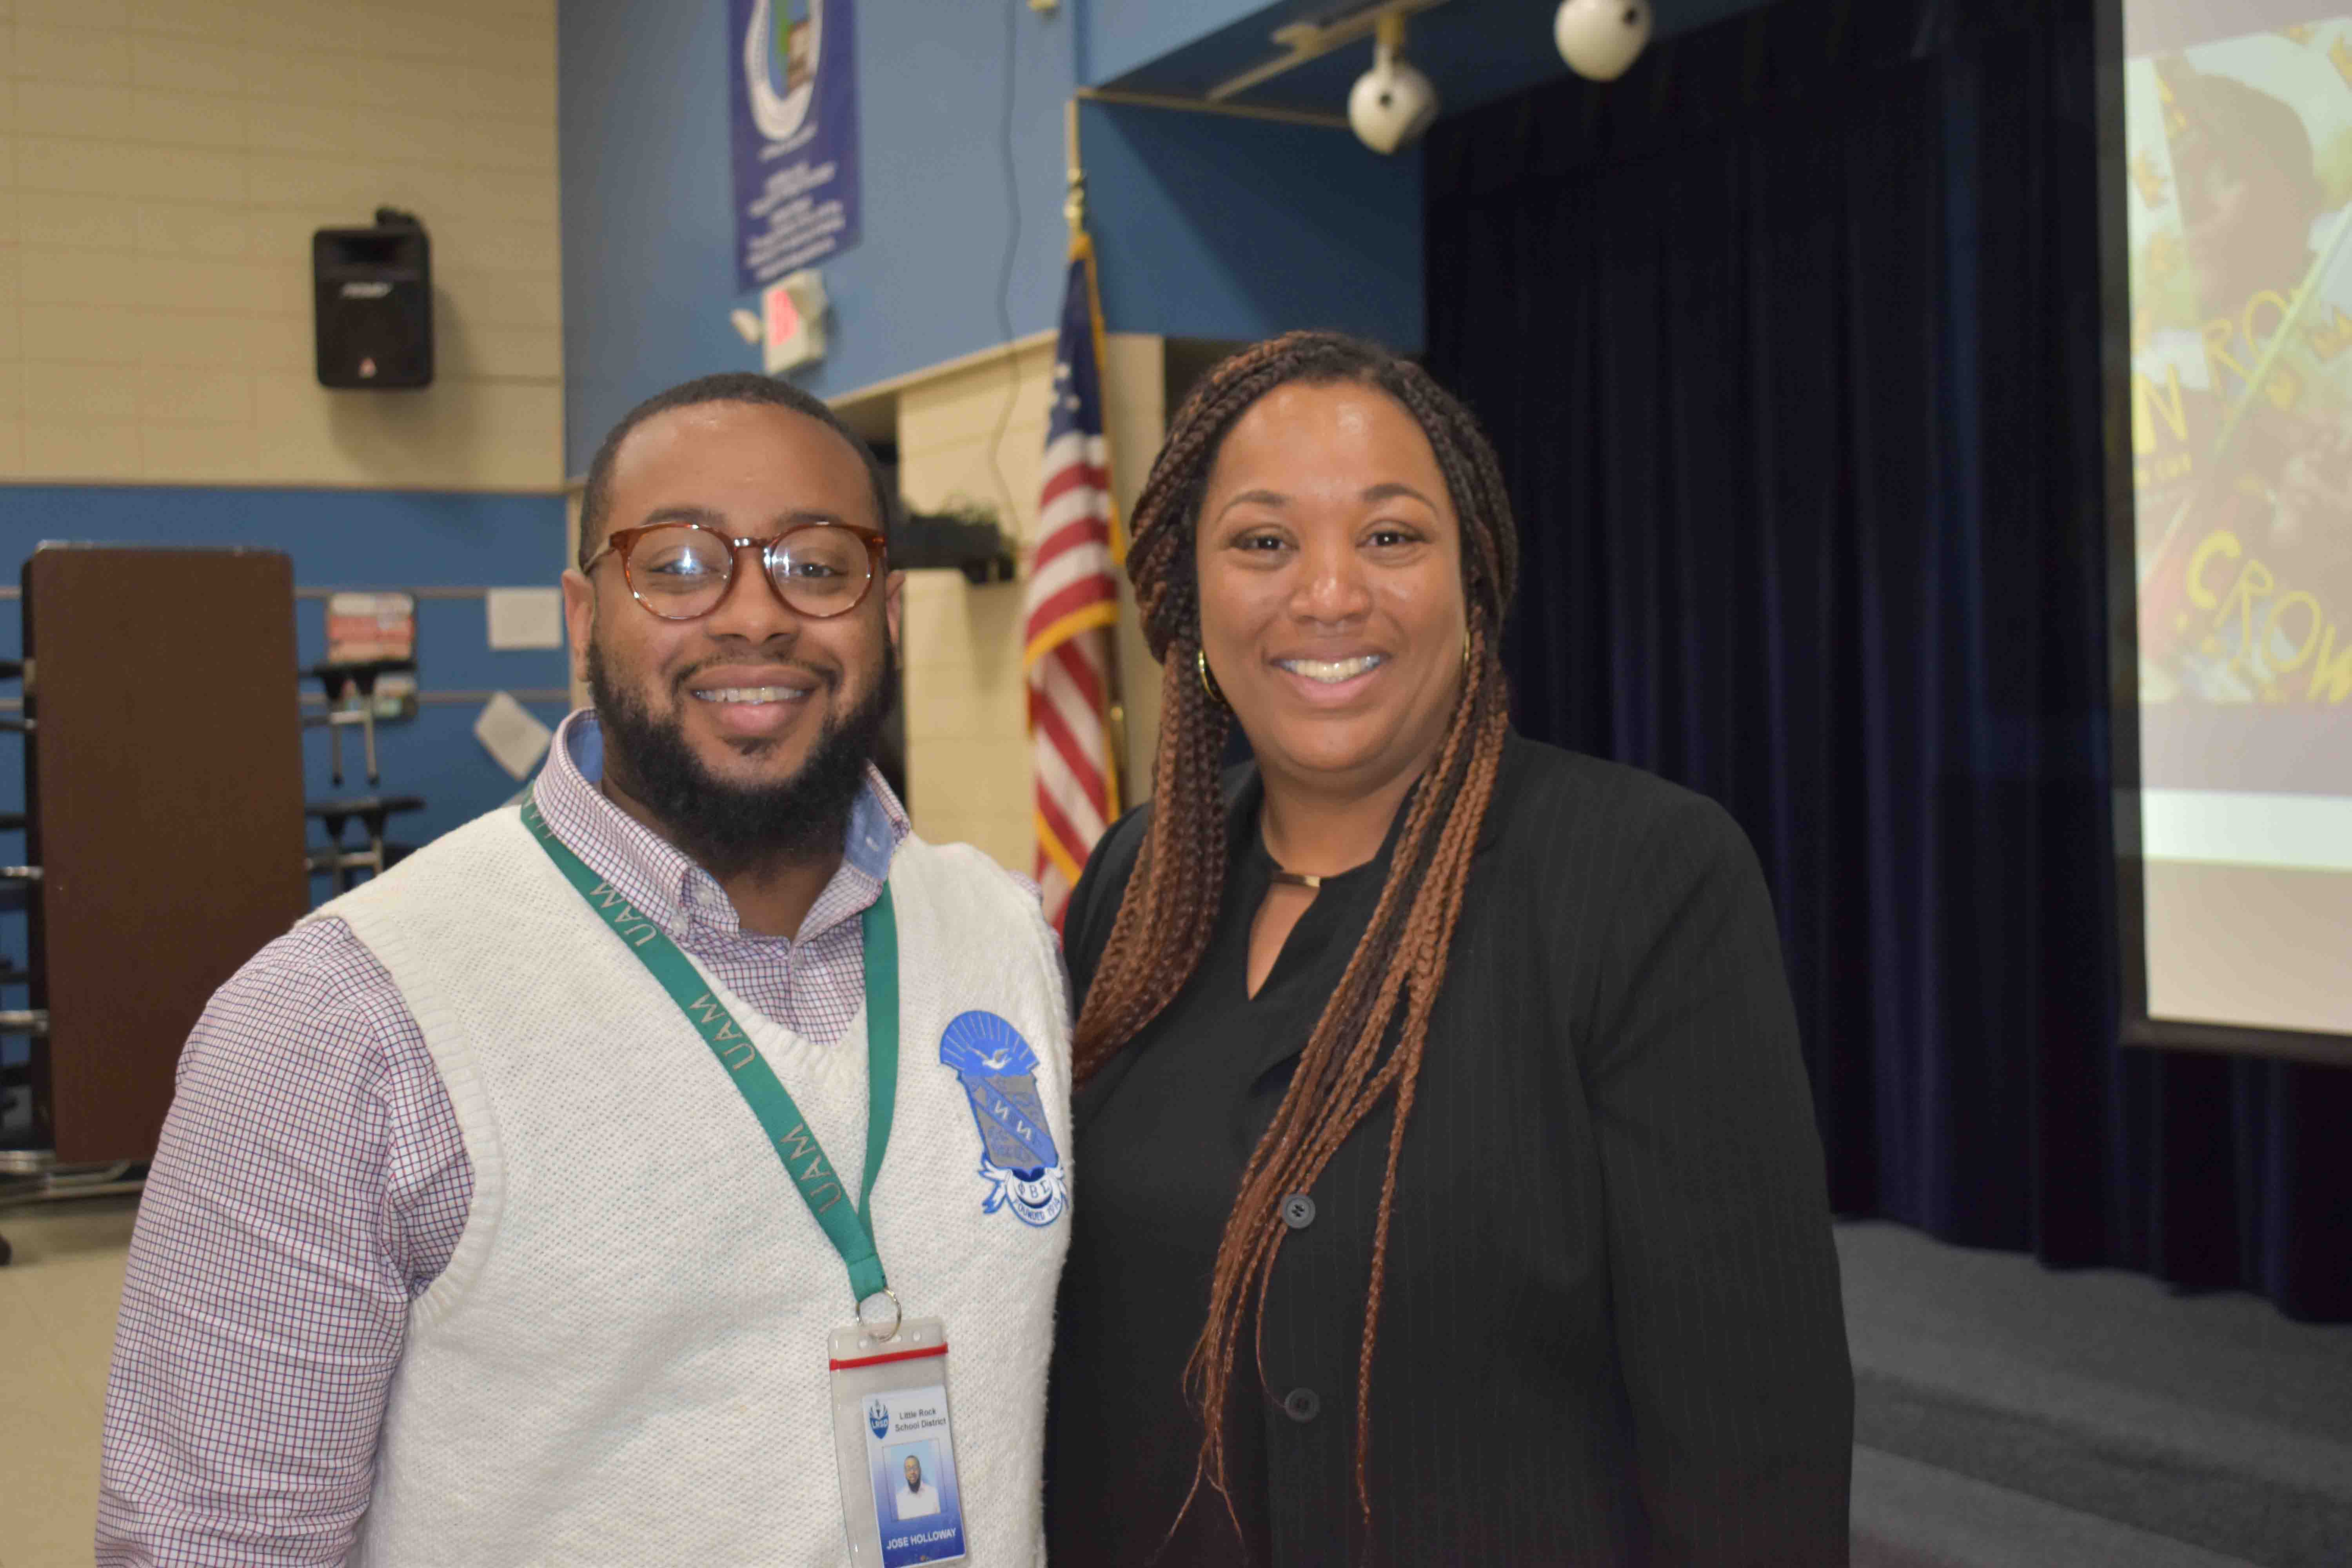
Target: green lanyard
849, 1227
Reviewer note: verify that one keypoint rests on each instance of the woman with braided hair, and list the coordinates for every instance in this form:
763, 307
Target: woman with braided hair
1450, 1188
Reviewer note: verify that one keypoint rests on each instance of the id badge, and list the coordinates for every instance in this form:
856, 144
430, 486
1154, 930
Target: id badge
902, 1498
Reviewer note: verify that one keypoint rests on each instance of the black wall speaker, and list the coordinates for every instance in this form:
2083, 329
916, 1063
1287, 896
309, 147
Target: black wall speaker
373, 289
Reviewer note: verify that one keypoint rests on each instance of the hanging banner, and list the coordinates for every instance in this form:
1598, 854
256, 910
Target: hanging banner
792, 72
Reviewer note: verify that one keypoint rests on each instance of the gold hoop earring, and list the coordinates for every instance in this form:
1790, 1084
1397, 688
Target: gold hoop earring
1208, 681
1465, 647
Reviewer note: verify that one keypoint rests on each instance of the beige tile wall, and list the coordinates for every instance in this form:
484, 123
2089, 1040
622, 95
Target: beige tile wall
966, 747
164, 165
1137, 413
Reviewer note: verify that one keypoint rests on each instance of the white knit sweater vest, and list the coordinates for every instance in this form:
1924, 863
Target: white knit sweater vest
624, 1361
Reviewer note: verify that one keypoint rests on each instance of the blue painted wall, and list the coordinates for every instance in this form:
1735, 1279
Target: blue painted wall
962, 240
641, 115
1214, 228
337, 539
1207, 227
1117, 36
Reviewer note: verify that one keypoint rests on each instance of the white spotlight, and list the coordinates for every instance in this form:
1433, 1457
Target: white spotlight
1392, 103
1598, 38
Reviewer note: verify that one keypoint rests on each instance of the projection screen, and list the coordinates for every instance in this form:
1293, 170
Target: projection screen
2237, 183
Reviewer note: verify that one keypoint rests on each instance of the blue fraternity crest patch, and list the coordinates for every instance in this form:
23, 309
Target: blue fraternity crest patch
1018, 1159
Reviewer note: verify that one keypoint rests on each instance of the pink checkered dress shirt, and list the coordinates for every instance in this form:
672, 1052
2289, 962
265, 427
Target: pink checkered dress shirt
311, 1182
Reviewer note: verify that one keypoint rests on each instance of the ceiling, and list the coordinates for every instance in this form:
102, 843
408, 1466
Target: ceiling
1474, 50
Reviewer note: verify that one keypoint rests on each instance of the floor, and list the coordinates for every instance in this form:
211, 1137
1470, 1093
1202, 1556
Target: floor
57, 1332
2007, 1414
2008, 1417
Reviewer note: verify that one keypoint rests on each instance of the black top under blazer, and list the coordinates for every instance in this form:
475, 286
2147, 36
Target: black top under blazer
1611, 1332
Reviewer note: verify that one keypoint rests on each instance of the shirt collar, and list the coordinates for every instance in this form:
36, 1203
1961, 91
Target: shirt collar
657, 877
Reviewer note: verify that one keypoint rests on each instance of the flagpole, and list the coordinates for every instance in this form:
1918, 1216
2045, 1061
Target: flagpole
1073, 203
1074, 210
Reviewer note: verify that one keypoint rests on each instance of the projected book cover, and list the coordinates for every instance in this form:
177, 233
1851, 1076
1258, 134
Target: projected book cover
2238, 138
2241, 160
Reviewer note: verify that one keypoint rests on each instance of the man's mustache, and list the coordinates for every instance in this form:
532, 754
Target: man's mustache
828, 678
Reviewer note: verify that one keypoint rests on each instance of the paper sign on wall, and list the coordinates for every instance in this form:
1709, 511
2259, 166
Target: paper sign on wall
524, 618
514, 738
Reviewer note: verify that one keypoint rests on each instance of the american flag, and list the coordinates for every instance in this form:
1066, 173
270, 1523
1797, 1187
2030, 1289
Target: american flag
1072, 604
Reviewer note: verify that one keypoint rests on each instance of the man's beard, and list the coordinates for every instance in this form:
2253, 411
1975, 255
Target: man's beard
729, 828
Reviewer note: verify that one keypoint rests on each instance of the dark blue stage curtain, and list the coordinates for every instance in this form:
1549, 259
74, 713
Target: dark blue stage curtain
1791, 342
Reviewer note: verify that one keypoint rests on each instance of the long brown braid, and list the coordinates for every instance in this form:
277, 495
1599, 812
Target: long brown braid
1165, 918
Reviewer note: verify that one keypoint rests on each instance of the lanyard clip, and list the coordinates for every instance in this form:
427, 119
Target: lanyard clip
878, 1315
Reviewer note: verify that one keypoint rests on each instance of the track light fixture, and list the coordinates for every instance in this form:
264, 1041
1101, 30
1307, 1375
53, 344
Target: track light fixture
1392, 103
1599, 38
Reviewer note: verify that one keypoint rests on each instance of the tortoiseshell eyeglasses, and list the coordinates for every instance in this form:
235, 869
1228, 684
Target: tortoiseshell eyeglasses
680, 571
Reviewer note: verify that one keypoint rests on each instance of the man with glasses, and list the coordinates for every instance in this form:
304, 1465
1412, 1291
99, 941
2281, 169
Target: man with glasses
504, 1209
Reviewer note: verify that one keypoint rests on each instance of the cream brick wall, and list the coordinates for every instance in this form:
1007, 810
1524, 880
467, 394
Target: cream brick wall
1137, 416
164, 164
967, 744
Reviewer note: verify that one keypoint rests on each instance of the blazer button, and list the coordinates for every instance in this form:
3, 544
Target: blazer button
1302, 1404
1298, 1211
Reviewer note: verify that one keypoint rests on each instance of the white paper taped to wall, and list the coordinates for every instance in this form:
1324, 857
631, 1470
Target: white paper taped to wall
524, 617
514, 739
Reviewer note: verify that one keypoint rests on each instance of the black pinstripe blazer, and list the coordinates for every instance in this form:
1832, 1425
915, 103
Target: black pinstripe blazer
1611, 1332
